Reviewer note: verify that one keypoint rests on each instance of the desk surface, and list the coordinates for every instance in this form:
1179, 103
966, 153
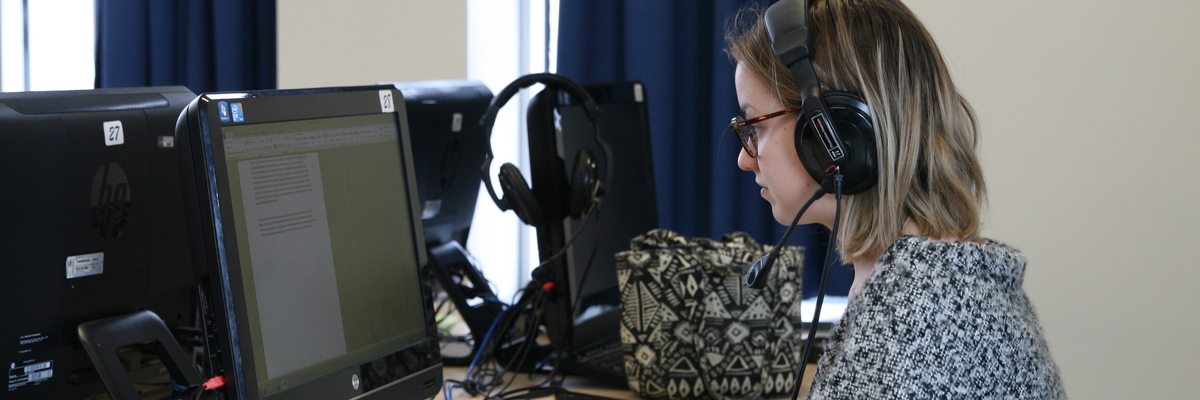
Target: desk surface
576, 384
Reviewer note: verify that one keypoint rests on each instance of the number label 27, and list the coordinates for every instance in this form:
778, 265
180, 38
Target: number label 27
114, 134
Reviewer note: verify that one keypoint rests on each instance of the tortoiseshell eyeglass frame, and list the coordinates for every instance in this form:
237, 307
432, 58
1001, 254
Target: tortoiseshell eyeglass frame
747, 132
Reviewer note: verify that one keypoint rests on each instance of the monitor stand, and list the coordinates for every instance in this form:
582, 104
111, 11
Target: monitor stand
462, 281
102, 338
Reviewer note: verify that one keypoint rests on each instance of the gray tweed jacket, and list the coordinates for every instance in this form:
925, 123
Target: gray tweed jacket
940, 320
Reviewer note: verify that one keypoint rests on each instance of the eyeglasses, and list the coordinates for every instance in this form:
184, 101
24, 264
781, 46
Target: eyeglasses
747, 132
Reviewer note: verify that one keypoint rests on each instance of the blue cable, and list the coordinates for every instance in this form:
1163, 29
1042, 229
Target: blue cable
482, 345
449, 389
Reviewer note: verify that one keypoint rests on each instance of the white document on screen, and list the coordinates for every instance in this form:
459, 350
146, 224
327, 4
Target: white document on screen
292, 261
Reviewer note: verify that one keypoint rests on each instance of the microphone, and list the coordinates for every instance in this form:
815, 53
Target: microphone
756, 275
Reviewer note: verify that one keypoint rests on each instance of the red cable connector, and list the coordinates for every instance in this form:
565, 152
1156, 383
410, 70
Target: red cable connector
214, 383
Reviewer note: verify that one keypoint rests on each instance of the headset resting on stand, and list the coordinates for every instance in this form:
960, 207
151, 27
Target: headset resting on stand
834, 138
584, 194
585, 189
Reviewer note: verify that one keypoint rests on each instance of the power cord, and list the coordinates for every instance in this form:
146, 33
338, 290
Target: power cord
485, 375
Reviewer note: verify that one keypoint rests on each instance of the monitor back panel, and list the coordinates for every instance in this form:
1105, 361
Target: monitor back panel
95, 227
628, 208
448, 147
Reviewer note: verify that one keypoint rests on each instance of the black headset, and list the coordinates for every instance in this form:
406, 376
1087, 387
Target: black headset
835, 140
586, 188
834, 129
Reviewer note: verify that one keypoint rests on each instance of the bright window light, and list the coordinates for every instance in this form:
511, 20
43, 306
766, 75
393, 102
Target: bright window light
62, 45
56, 51
505, 40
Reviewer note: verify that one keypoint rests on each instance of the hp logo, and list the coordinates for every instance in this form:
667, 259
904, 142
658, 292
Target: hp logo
110, 200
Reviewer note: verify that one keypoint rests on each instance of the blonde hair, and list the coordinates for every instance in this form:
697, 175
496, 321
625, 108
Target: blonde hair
925, 131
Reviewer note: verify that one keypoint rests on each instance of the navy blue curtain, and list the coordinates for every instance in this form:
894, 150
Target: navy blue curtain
206, 45
675, 48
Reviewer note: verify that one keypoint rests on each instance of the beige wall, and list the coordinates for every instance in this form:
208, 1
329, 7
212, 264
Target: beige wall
323, 43
1089, 116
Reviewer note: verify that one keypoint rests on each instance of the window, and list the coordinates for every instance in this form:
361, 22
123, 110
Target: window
47, 45
505, 40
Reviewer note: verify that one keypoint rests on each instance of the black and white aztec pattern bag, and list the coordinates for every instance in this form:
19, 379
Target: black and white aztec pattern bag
690, 327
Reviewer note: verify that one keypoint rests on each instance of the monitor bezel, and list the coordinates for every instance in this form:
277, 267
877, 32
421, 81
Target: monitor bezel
226, 281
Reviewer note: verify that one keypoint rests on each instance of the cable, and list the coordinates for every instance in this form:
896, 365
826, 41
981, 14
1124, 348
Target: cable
812, 331
572, 240
756, 275
438, 309
526, 346
448, 389
575, 303
483, 346
485, 373
586, 270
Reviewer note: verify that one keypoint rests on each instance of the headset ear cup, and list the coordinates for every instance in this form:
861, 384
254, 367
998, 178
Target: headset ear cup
806, 147
518, 196
585, 185
852, 120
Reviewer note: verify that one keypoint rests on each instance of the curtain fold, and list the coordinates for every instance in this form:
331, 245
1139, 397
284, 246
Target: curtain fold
206, 45
676, 49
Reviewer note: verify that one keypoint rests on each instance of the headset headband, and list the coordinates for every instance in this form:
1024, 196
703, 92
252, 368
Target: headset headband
787, 26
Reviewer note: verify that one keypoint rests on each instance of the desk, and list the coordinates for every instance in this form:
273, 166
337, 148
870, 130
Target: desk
577, 384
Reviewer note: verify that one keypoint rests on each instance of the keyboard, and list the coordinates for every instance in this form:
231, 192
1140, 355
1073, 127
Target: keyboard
607, 355
603, 361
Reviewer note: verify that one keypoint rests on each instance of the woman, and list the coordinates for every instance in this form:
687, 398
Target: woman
935, 310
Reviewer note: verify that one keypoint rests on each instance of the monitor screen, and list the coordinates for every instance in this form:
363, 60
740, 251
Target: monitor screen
315, 246
94, 229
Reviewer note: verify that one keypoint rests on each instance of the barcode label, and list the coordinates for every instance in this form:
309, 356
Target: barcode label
85, 265
38, 376
29, 369
19, 376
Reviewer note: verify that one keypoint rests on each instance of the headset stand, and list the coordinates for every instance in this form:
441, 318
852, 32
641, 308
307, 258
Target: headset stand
102, 338
450, 260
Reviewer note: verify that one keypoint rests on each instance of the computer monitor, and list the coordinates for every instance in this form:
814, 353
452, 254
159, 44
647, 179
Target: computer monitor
588, 310
94, 224
309, 227
448, 145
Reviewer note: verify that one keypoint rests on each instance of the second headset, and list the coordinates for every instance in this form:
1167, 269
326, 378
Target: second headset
585, 189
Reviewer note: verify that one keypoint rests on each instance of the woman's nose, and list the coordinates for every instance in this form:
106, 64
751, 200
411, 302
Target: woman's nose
745, 162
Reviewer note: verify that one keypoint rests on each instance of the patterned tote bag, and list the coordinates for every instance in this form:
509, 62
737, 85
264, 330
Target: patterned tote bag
690, 327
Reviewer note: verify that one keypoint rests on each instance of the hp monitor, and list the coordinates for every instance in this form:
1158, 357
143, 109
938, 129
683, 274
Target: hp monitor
309, 227
94, 228
448, 145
